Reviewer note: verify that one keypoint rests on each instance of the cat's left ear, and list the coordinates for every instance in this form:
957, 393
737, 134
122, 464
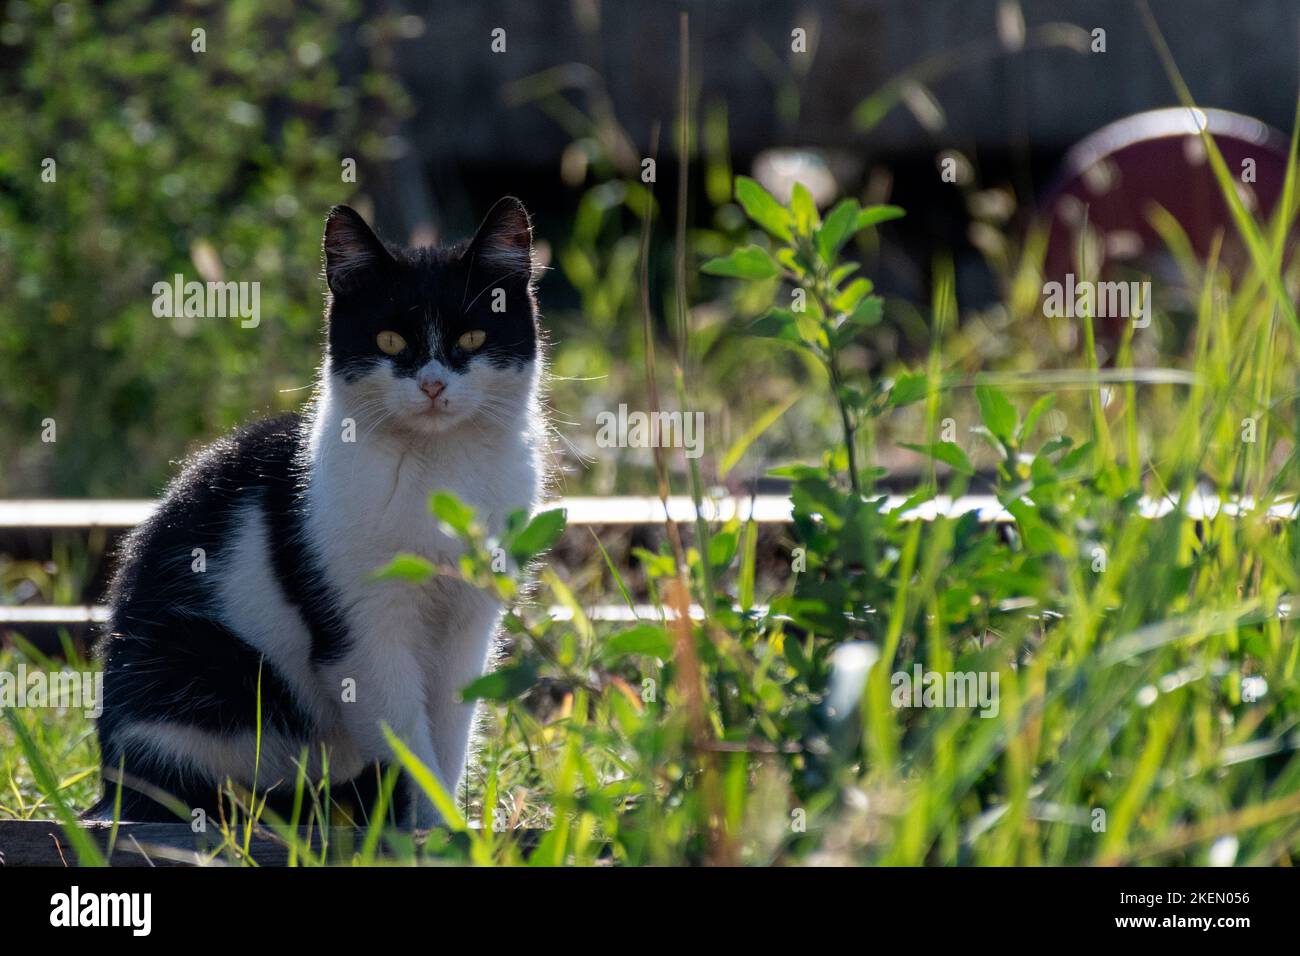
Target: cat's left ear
504, 242
353, 253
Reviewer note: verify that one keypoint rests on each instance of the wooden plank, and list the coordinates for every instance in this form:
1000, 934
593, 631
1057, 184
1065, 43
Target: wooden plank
43, 843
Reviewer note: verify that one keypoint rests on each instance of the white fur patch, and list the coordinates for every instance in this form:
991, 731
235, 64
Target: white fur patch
218, 757
415, 646
250, 602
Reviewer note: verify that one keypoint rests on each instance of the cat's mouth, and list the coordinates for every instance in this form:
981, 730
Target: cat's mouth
436, 414
436, 406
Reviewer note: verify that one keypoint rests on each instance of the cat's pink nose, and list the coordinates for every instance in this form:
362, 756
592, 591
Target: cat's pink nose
433, 389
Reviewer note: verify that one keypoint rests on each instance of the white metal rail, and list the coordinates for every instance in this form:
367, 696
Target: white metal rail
582, 511
619, 510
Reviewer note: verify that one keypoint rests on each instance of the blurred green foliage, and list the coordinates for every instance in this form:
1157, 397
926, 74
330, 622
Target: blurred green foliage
219, 164
213, 164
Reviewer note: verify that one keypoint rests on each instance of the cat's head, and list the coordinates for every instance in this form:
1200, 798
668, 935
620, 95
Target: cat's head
423, 340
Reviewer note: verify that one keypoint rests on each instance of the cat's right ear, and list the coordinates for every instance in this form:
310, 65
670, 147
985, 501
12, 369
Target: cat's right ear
353, 253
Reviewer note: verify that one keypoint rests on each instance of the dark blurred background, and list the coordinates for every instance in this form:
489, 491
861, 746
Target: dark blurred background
221, 163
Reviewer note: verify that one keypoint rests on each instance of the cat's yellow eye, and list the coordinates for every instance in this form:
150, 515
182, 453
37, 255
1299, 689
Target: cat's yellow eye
391, 343
472, 339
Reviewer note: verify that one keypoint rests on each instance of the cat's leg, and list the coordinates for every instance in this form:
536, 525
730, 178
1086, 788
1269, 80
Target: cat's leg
459, 655
424, 815
451, 723
182, 698
379, 683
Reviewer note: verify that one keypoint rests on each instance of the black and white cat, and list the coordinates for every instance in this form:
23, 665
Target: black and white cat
259, 556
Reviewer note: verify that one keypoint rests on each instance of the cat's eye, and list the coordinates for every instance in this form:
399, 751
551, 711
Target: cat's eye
472, 339
390, 343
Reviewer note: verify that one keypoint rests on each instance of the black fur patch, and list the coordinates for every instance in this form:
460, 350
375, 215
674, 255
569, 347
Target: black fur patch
166, 654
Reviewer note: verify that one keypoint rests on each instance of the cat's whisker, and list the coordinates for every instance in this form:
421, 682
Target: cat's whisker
469, 271
499, 280
577, 452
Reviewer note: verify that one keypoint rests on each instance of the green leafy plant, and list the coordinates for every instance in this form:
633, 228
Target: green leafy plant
830, 307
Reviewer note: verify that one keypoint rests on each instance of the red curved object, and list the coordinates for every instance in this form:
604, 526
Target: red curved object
1118, 174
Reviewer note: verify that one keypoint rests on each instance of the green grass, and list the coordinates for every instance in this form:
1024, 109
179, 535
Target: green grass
63, 740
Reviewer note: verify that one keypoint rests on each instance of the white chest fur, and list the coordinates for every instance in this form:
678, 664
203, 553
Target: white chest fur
369, 494
411, 647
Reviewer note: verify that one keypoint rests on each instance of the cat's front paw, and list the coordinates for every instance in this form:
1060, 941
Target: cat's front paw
424, 815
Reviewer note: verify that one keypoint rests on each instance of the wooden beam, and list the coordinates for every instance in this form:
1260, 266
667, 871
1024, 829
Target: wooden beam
43, 843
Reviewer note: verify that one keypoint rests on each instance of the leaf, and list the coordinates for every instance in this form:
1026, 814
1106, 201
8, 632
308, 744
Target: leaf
794, 654
998, 413
763, 209
747, 262
722, 548
538, 536
1053, 445
406, 567
504, 684
842, 272
864, 316
795, 472
748, 562
792, 260
613, 571
1078, 458
752, 433
946, 452
427, 782
867, 312
837, 228
650, 640
812, 494
1036, 411
875, 215
786, 326
564, 597
852, 295
995, 443
777, 324
909, 387
804, 208
812, 331
449, 509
